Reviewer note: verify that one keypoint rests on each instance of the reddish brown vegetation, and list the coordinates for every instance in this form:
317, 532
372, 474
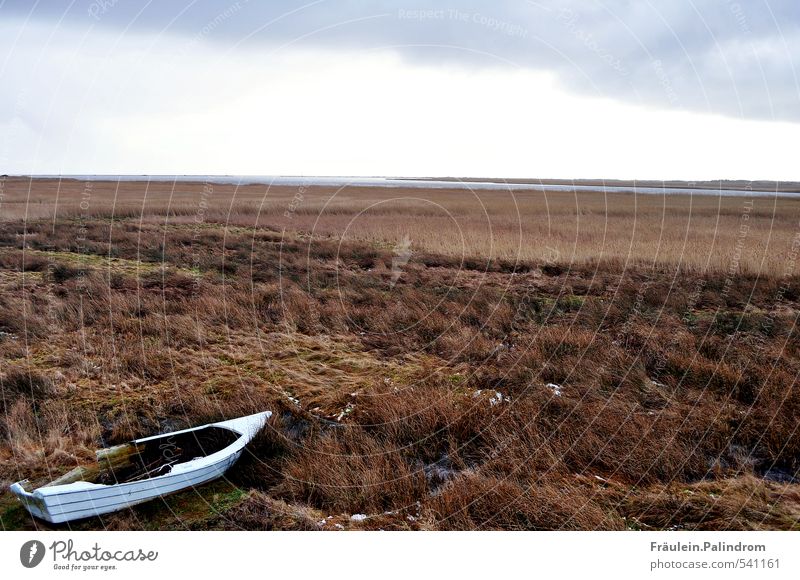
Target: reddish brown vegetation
422, 404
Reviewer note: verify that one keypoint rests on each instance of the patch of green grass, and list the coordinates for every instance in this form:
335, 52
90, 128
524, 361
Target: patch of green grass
184, 510
192, 507
13, 515
227, 360
456, 379
569, 303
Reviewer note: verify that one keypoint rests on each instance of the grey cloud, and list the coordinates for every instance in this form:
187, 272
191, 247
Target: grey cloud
720, 56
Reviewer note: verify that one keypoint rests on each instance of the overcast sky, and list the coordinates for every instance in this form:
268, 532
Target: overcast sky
612, 88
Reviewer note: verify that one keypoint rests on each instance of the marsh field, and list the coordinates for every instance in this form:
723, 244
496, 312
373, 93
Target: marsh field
435, 359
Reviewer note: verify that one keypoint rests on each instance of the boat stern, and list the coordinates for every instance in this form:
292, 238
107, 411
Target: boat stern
32, 501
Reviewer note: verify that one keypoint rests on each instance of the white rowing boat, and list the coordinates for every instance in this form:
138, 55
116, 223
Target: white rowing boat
142, 470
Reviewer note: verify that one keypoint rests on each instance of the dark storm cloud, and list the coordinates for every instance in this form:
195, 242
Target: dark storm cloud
720, 56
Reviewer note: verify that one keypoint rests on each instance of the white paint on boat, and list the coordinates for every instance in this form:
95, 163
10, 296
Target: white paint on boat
82, 499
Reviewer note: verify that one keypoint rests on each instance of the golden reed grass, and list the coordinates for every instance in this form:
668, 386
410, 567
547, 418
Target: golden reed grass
748, 235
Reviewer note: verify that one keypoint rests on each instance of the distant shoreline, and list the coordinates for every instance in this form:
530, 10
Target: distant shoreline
729, 188
731, 184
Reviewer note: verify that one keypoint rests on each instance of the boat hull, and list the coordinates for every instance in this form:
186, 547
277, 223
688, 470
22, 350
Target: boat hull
58, 504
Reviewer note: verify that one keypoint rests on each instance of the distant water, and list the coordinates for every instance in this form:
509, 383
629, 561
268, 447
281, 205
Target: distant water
420, 184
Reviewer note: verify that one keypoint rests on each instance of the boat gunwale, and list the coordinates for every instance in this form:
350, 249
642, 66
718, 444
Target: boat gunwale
221, 425
45, 491
55, 506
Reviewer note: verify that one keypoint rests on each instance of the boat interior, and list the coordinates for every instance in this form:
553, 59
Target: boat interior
151, 458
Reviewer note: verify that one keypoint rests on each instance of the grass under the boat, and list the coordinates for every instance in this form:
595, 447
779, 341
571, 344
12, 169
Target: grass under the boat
191, 509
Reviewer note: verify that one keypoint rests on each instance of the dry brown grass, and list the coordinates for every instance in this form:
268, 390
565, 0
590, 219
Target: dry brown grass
421, 401
744, 503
